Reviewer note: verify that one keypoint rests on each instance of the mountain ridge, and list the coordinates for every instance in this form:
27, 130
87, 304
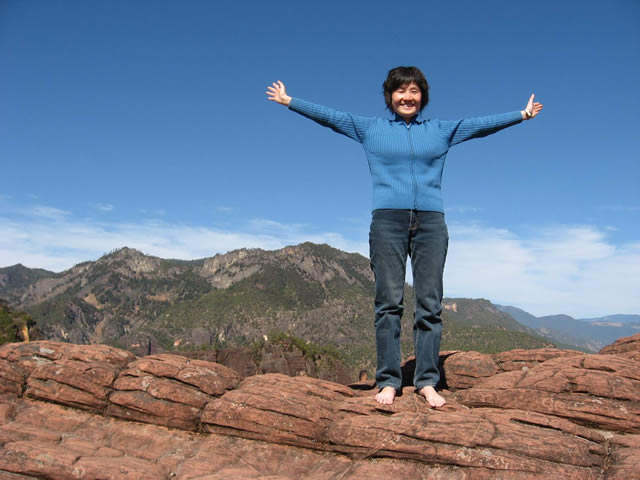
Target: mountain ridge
314, 292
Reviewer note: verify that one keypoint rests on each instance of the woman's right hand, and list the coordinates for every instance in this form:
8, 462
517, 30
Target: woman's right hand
278, 93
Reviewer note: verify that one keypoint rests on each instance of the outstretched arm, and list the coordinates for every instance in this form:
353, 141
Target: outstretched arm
462, 130
341, 122
532, 109
278, 93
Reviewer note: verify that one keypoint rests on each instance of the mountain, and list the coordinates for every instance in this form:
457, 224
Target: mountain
313, 292
586, 334
17, 277
614, 320
477, 324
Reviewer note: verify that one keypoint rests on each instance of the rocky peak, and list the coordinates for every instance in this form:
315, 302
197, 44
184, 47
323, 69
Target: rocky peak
223, 270
320, 263
132, 260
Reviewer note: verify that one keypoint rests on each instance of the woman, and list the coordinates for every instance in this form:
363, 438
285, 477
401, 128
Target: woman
406, 157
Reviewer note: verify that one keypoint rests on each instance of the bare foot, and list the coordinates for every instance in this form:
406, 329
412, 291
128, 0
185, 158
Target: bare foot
386, 395
433, 399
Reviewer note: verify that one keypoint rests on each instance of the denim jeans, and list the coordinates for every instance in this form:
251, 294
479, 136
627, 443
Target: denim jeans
424, 237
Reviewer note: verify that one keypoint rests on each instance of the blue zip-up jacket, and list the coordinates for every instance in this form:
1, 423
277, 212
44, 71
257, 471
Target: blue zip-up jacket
405, 160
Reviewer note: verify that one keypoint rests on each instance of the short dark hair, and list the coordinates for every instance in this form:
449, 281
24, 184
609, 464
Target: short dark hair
401, 76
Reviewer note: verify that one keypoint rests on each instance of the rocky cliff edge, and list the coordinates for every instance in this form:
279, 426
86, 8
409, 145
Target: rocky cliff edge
96, 412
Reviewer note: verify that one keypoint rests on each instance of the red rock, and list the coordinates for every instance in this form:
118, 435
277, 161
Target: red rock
580, 408
520, 359
211, 378
294, 410
169, 390
543, 421
74, 383
466, 369
15, 476
69, 374
120, 468
286, 415
11, 432
624, 458
164, 389
7, 410
175, 454
30, 414
621, 366
12, 378
150, 442
467, 440
581, 380
598, 390
624, 346
622, 441
34, 354
396, 469
142, 407
40, 459
552, 419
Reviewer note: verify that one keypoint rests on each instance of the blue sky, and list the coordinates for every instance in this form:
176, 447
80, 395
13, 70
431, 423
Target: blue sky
145, 124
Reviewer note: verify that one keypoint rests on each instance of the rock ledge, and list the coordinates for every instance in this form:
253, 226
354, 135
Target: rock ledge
96, 412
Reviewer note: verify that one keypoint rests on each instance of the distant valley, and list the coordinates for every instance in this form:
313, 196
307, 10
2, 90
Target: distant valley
589, 334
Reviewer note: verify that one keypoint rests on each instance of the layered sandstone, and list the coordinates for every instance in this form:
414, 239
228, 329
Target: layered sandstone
95, 412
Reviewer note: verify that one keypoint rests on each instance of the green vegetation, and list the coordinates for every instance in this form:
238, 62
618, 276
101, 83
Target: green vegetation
66, 311
14, 326
486, 339
310, 350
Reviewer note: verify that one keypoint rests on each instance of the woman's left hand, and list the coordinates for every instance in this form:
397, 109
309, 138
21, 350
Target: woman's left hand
532, 109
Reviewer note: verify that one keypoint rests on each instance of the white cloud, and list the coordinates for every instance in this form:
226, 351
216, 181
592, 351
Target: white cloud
462, 209
46, 212
41, 212
155, 213
103, 207
561, 269
59, 245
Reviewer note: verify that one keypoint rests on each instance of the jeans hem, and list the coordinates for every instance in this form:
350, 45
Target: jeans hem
380, 387
418, 388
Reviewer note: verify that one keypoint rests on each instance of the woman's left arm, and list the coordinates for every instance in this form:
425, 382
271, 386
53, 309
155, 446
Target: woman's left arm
532, 109
462, 130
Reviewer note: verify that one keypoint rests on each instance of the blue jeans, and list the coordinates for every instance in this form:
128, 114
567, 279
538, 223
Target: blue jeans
424, 237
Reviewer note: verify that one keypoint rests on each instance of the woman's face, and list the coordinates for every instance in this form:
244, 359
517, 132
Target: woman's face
406, 101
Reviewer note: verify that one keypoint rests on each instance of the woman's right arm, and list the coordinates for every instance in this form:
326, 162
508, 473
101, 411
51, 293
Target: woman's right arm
341, 122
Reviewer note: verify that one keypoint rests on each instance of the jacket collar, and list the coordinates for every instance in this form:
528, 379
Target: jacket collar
414, 121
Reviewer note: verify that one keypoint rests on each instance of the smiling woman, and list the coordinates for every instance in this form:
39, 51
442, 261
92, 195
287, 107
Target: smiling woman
406, 101
406, 158
406, 91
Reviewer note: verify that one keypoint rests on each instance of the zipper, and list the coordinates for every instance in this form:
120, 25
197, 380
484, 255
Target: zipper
414, 183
